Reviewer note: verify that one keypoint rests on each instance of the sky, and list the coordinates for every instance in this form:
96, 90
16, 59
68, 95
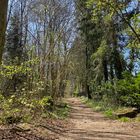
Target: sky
132, 5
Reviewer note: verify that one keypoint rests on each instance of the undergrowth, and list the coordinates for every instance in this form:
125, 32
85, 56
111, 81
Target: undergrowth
61, 111
21, 109
100, 107
109, 110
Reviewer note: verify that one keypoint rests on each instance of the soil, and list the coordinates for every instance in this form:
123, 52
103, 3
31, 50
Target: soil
82, 124
91, 125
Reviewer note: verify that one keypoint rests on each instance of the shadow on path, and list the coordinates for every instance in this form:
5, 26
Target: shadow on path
90, 125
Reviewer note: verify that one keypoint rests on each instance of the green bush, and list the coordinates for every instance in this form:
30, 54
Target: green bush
119, 92
46, 103
15, 108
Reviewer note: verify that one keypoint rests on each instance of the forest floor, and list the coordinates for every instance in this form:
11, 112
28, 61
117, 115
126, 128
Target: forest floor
91, 125
82, 124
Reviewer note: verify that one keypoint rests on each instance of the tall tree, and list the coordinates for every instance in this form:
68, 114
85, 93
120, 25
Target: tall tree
14, 49
3, 19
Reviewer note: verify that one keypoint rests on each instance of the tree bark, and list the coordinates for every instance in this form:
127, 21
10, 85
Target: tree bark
105, 70
3, 19
87, 72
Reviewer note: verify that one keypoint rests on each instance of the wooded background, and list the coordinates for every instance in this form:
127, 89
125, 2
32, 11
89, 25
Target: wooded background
52, 48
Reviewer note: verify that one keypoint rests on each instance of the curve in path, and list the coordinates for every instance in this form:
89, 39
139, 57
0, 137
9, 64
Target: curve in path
90, 125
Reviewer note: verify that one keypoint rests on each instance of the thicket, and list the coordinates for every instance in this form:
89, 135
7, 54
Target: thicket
35, 64
124, 92
107, 49
30, 100
27, 100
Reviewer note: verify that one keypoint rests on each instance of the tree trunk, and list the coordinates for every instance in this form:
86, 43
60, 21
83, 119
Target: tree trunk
3, 19
87, 73
88, 91
111, 71
105, 70
119, 67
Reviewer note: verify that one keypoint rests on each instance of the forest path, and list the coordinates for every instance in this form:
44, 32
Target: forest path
90, 125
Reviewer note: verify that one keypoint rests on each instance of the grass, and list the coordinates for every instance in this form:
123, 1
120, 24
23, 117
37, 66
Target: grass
124, 119
61, 111
100, 107
109, 113
109, 110
137, 119
91, 104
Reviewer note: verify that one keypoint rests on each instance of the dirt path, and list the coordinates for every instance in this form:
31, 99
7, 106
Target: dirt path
90, 125
82, 124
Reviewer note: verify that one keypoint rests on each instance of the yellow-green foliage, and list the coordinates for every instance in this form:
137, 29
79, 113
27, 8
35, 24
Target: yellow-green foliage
10, 70
46, 103
22, 106
25, 102
124, 119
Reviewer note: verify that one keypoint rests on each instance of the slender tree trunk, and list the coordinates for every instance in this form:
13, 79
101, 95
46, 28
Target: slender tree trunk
111, 71
87, 70
3, 19
119, 68
132, 59
105, 70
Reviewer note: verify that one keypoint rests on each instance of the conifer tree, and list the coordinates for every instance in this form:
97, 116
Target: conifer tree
14, 48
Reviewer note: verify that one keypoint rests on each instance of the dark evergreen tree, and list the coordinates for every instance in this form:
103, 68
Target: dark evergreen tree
14, 49
14, 55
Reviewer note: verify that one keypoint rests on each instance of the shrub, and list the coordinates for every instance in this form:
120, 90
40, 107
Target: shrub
119, 92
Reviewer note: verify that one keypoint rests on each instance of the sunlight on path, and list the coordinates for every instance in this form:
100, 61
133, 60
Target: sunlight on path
90, 125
